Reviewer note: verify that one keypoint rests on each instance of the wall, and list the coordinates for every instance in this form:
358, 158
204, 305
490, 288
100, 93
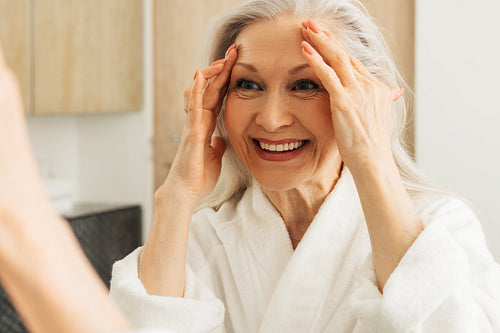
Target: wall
107, 157
55, 142
458, 114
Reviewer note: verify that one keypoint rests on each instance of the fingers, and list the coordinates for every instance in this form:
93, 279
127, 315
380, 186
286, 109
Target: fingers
361, 69
322, 50
219, 146
217, 75
208, 73
396, 93
332, 52
324, 72
217, 88
354, 61
213, 70
203, 97
231, 56
195, 98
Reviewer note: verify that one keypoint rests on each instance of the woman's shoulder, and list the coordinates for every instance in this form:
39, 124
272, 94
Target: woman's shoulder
223, 213
454, 217
210, 224
446, 208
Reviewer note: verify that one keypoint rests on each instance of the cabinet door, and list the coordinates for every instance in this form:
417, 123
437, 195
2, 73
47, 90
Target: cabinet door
179, 32
14, 37
398, 20
87, 56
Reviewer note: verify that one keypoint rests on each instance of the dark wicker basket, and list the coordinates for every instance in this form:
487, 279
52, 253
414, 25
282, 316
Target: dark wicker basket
105, 234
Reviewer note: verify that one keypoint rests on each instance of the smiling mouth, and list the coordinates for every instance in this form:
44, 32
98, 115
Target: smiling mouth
280, 148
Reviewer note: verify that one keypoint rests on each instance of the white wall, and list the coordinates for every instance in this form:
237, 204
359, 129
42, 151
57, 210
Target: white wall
457, 96
54, 140
108, 158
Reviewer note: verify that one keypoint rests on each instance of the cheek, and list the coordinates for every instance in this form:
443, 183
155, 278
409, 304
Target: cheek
235, 119
318, 117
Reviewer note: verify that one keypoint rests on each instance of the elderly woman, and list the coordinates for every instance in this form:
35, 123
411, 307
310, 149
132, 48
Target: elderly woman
313, 219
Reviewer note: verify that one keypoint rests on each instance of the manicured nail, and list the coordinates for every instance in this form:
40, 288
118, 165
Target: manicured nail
220, 61
308, 48
314, 27
400, 93
304, 24
229, 50
196, 74
329, 35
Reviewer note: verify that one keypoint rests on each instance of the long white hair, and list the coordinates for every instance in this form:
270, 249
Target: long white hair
361, 37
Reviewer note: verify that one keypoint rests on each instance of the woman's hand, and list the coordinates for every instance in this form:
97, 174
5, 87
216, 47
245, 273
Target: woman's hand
197, 165
360, 104
45, 272
20, 184
194, 173
361, 114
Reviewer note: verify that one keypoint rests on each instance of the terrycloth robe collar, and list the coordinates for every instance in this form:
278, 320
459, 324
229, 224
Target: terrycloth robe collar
286, 290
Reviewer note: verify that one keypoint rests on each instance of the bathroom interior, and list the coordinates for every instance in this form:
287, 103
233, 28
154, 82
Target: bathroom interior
102, 85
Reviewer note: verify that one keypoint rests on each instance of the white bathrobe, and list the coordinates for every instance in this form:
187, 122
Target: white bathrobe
242, 274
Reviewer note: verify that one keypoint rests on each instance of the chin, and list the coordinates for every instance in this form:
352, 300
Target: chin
274, 182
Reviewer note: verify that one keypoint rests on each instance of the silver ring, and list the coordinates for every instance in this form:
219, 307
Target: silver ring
186, 110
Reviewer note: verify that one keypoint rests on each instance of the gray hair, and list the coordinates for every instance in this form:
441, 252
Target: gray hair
361, 37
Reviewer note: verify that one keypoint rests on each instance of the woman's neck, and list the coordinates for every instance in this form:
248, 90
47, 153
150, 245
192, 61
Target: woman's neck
298, 206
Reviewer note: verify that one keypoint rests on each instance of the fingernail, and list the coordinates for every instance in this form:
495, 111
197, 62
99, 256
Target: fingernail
229, 49
304, 25
308, 48
329, 35
196, 74
314, 27
220, 61
400, 93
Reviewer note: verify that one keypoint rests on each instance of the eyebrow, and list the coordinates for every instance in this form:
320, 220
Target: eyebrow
292, 71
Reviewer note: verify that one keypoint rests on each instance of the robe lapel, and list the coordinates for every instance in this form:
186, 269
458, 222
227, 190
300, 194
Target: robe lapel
321, 266
258, 249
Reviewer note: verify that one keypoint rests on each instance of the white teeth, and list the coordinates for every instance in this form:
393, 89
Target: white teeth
281, 147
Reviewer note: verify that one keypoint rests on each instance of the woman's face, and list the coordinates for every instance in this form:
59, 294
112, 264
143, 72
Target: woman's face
277, 113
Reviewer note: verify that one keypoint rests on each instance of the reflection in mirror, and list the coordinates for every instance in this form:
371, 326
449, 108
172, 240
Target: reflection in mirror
292, 202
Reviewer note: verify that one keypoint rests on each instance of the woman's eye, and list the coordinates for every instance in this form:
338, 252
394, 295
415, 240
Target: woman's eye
246, 85
305, 85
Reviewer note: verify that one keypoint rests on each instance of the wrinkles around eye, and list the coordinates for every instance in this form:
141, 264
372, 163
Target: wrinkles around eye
302, 88
246, 85
245, 88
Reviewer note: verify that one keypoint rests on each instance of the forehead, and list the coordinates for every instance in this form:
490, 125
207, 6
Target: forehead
267, 41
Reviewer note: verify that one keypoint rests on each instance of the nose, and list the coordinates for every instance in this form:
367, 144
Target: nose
274, 114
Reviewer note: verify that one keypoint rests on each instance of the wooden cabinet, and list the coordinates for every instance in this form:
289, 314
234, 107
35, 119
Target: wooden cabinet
81, 56
179, 32
87, 56
14, 37
397, 18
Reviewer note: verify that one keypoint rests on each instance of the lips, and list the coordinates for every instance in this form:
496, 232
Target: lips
282, 147
281, 150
